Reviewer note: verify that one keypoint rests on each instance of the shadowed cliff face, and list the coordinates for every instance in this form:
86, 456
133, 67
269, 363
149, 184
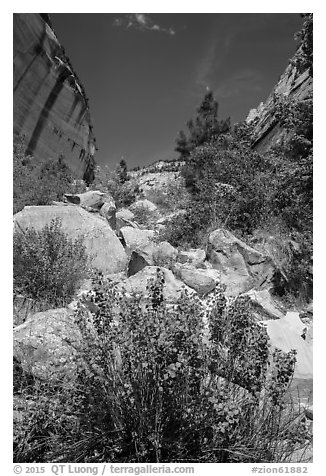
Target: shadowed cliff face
50, 106
291, 84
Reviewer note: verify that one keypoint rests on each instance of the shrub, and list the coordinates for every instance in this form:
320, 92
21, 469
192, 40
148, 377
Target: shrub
184, 230
48, 265
172, 197
153, 386
143, 216
39, 182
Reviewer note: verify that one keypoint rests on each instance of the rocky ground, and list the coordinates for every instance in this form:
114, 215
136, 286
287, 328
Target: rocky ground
128, 253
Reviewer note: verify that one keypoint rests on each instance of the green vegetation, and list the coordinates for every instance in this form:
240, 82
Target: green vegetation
144, 217
48, 266
235, 187
156, 382
203, 128
157, 388
39, 182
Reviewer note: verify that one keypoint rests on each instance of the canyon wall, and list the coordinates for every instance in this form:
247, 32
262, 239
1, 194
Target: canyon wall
50, 106
267, 130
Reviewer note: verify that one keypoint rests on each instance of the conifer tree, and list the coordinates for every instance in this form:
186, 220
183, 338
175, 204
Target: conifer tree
201, 130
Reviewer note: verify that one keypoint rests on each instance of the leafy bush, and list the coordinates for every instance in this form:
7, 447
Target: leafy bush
48, 265
39, 182
153, 385
184, 230
144, 217
228, 182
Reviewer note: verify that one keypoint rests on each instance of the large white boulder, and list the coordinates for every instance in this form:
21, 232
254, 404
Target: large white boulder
202, 281
289, 333
267, 305
102, 244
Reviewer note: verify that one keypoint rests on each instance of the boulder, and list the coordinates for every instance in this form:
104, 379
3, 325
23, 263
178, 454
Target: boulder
149, 206
45, 344
242, 267
195, 257
202, 281
102, 244
92, 199
125, 214
266, 304
141, 258
135, 238
108, 211
164, 253
286, 334
125, 217
138, 283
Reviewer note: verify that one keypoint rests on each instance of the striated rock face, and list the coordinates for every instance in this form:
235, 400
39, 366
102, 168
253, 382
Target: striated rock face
50, 106
267, 130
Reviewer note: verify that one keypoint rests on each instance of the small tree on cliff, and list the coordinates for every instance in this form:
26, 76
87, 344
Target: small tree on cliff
205, 126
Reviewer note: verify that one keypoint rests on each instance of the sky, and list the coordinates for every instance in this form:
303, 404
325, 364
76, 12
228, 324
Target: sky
145, 74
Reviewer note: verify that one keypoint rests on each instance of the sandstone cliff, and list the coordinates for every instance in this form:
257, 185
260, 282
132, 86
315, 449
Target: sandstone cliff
292, 84
50, 105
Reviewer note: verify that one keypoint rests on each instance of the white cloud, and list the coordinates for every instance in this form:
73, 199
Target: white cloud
142, 22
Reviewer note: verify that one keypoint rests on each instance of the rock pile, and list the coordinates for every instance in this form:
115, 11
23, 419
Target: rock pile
129, 256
